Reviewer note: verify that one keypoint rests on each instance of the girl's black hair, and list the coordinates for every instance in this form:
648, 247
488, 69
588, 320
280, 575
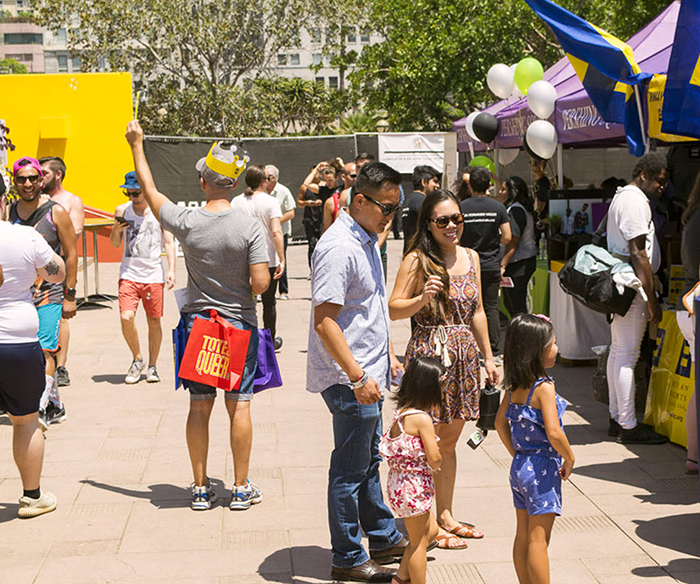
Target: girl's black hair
518, 192
527, 338
421, 386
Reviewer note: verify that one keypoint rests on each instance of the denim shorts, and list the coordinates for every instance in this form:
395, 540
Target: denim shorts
200, 391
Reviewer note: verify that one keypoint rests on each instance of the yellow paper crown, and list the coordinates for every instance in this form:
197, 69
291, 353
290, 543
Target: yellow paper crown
232, 169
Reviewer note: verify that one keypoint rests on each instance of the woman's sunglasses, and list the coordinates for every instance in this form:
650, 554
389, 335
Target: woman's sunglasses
443, 221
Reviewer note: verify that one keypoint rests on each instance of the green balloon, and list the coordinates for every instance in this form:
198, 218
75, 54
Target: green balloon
527, 72
484, 161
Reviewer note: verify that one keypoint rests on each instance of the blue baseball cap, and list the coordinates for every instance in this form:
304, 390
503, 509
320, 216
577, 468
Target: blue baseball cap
130, 181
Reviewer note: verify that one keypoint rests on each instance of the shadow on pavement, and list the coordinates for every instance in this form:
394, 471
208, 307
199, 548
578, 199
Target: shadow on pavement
5, 421
113, 378
163, 496
680, 533
309, 561
8, 512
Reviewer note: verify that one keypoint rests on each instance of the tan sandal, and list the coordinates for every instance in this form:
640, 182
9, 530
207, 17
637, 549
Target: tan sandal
449, 541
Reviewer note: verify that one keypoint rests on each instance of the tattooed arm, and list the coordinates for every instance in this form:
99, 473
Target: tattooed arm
54, 271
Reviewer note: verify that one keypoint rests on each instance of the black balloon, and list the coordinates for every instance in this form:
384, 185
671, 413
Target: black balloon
485, 127
529, 150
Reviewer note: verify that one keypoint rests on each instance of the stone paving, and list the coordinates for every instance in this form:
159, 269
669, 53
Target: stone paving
120, 469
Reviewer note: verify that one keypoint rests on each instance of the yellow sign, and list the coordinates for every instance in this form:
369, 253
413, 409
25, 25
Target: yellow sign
80, 117
213, 358
655, 101
672, 381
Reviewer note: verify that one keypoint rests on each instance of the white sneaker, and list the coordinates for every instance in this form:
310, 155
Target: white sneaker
34, 507
284, 297
152, 375
134, 373
202, 497
243, 497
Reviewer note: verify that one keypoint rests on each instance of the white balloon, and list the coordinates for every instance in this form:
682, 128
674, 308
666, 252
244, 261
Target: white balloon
542, 97
500, 80
542, 138
507, 155
516, 89
469, 125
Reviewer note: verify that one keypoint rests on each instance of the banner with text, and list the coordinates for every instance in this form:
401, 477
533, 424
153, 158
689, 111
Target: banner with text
405, 151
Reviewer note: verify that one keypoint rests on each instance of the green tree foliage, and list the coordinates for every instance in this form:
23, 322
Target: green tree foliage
12, 66
432, 66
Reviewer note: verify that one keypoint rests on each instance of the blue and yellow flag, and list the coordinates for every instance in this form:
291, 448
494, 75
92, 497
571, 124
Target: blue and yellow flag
681, 111
604, 64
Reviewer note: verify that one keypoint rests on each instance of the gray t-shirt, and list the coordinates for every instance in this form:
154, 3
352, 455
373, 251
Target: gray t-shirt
218, 248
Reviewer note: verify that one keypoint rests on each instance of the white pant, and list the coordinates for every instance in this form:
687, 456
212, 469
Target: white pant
627, 333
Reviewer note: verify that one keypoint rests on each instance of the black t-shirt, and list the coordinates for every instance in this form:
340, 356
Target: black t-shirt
482, 218
409, 217
313, 216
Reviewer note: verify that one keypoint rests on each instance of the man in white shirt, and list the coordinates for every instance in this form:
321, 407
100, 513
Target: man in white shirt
632, 238
256, 202
287, 205
54, 170
141, 275
24, 255
567, 224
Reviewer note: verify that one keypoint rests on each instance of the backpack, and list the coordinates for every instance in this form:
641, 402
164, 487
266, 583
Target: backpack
587, 277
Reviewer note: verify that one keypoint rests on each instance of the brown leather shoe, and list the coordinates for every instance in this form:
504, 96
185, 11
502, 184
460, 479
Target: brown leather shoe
370, 571
390, 555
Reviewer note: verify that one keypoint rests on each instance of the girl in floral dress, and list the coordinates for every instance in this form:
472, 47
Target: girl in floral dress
439, 285
411, 450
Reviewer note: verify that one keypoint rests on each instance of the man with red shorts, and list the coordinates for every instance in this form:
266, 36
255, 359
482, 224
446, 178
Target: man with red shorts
141, 275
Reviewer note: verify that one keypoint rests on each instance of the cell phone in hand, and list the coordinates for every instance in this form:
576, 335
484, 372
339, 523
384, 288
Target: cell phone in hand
124, 221
507, 282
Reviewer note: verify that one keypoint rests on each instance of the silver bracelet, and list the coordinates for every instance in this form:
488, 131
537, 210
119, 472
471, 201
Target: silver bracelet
362, 381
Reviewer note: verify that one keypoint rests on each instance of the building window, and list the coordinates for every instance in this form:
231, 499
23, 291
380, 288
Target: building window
62, 64
23, 38
20, 4
320, 80
333, 82
61, 35
318, 59
352, 35
364, 35
282, 60
294, 59
75, 64
315, 35
21, 57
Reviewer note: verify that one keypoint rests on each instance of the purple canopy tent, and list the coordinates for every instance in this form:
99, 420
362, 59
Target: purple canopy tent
575, 118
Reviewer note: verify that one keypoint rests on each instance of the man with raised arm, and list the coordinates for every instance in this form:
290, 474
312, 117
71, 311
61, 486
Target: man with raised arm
227, 263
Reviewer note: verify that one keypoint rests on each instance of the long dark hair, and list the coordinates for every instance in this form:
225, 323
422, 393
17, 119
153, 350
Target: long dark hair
527, 338
518, 192
421, 386
254, 177
693, 201
430, 262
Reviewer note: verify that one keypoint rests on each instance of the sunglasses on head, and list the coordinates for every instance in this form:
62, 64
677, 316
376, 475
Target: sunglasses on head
31, 178
132, 193
386, 209
443, 221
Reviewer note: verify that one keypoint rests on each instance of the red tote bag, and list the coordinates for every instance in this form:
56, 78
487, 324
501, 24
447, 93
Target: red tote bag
215, 353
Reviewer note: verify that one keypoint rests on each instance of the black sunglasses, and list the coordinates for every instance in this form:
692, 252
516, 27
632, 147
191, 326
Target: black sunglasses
386, 209
353, 175
31, 178
443, 221
132, 194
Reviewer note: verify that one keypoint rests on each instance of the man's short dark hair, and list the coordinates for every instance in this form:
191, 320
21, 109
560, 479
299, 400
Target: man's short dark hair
56, 164
651, 164
364, 156
423, 173
373, 175
480, 179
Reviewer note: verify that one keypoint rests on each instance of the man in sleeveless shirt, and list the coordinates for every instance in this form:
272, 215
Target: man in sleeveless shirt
52, 301
141, 275
54, 171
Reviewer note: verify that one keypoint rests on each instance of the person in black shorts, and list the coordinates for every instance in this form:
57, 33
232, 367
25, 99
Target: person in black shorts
24, 255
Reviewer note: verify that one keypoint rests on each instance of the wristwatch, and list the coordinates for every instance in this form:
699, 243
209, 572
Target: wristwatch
70, 292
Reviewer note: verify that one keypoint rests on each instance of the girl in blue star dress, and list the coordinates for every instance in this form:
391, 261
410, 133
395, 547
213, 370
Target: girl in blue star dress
529, 423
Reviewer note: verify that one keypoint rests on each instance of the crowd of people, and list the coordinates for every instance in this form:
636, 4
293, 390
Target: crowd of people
461, 249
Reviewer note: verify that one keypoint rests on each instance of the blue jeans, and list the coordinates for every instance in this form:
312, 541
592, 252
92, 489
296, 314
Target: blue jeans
354, 487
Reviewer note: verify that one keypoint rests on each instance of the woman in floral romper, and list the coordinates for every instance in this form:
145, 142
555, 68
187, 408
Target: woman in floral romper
439, 284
